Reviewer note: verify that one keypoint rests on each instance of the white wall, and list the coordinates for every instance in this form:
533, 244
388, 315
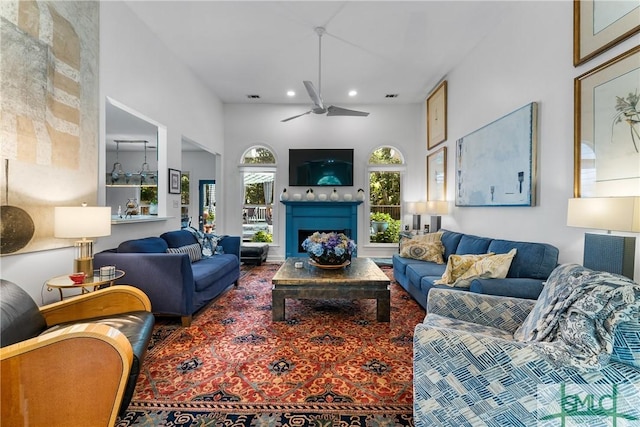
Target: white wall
401, 126
142, 74
528, 58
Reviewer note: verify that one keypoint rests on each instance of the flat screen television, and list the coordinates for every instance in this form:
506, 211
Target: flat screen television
321, 167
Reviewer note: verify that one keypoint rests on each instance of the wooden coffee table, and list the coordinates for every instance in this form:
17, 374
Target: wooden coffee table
362, 279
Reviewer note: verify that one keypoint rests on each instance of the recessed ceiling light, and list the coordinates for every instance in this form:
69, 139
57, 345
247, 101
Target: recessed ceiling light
291, 93
353, 92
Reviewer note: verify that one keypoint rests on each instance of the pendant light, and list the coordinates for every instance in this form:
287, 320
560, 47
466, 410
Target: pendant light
117, 172
144, 171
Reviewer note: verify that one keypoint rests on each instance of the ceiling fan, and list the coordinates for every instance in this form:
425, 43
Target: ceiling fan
315, 95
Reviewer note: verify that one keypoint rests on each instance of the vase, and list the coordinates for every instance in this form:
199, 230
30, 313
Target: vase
330, 258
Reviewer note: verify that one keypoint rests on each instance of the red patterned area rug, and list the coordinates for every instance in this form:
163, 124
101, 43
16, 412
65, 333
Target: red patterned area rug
329, 363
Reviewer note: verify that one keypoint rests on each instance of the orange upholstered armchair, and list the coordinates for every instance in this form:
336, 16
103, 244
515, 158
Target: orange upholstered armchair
70, 362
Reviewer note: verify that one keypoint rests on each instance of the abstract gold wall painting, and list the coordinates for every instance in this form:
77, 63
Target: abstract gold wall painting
48, 116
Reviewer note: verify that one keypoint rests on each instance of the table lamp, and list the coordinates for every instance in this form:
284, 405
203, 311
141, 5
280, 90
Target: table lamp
80, 222
606, 252
436, 208
416, 209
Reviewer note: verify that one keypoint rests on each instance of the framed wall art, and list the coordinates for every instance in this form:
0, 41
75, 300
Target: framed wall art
50, 117
496, 164
437, 175
600, 25
437, 116
607, 128
174, 181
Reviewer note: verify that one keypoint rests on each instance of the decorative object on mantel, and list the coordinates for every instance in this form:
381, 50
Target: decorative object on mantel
329, 249
322, 197
347, 197
360, 195
297, 196
334, 195
284, 195
310, 195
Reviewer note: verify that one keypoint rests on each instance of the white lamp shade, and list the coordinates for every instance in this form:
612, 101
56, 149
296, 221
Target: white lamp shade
431, 207
438, 207
605, 213
417, 208
82, 221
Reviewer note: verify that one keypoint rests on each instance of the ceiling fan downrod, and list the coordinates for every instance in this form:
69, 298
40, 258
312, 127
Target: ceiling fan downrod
320, 31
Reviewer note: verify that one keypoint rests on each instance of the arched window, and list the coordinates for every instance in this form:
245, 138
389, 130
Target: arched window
258, 175
385, 169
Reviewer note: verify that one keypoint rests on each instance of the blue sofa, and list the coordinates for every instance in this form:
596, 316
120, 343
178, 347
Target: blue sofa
529, 269
175, 285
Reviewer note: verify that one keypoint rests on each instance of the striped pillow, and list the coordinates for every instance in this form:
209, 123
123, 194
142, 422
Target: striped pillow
193, 250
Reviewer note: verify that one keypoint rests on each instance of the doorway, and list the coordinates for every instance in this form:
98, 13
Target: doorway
207, 205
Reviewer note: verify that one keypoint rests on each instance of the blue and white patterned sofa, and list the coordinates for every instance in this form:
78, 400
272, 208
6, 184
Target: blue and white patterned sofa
485, 360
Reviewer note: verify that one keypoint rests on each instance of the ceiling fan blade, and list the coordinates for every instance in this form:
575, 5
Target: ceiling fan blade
314, 95
295, 117
332, 110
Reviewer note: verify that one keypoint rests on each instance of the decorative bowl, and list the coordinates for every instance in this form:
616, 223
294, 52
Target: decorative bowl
77, 278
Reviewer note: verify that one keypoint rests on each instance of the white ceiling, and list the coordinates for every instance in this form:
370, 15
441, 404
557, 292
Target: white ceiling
240, 48
265, 48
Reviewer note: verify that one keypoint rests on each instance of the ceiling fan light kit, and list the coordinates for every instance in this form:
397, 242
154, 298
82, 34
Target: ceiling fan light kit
316, 95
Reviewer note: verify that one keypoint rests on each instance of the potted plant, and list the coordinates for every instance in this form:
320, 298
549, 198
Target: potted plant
389, 229
149, 195
262, 236
379, 222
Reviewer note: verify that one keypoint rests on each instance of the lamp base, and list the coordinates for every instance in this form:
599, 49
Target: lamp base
435, 223
84, 265
613, 254
416, 222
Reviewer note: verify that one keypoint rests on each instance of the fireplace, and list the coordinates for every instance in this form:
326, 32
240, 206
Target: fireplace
303, 218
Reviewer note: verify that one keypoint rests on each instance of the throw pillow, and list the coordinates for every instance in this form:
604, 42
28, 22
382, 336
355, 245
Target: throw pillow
194, 251
457, 265
491, 267
428, 238
424, 251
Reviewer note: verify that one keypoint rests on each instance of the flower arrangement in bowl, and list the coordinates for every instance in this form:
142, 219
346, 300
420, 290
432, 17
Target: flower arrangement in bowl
329, 249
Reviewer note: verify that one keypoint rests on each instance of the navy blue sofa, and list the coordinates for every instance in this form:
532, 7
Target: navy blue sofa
529, 269
175, 285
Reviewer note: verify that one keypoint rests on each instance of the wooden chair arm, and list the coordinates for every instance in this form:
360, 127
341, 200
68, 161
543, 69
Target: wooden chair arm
76, 375
104, 302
